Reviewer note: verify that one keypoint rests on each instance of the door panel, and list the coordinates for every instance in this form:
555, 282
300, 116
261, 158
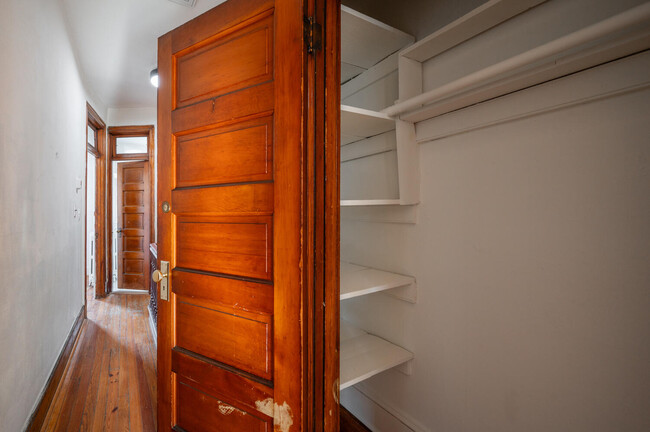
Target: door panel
217, 335
245, 57
199, 411
237, 181
240, 246
224, 291
243, 152
231, 351
133, 211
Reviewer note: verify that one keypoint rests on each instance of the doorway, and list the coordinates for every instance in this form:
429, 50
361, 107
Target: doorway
95, 227
130, 215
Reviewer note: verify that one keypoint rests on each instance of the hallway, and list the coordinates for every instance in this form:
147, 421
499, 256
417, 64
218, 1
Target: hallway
110, 382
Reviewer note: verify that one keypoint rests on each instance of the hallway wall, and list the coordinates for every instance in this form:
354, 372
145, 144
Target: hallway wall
42, 167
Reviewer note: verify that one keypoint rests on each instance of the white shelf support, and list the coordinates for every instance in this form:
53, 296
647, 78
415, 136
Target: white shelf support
408, 163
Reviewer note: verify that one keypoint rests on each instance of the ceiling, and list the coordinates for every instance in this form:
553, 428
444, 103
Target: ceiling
115, 42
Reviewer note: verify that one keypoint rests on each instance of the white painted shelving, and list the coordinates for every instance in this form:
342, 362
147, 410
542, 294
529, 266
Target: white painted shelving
364, 355
357, 280
358, 124
366, 42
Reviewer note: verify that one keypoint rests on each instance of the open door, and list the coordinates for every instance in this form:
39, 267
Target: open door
133, 225
243, 207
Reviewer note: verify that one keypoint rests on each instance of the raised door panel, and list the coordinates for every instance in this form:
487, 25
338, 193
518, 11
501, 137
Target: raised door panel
240, 341
199, 411
236, 153
234, 59
231, 245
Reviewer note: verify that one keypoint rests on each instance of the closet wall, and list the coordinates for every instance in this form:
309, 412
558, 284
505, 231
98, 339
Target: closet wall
528, 247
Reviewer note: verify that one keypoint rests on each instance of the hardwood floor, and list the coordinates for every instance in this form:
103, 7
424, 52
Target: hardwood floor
110, 382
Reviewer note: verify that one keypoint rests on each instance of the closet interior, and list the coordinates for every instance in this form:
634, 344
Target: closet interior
375, 152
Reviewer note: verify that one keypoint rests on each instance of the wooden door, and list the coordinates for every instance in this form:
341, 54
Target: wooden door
133, 225
237, 189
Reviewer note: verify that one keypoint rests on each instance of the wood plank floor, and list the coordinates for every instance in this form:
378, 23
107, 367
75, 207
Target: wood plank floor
110, 382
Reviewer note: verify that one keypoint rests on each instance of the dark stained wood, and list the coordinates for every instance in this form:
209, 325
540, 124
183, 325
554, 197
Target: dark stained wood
242, 152
101, 228
349, 423
242, 198
217, 21
129, 131
218, 335
38, 416
133, 219
199, 411
244, 56
225, 292
238, 144
291, 201
219, 382
165, 378
328, 270
233, 245
109, 382
246, 104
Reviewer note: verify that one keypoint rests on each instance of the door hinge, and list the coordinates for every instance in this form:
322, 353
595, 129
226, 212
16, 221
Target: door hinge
313, 35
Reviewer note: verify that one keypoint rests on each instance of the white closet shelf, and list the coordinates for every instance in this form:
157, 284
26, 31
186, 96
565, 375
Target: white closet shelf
364, 355
368, 41
358, 280
359, 123
371, 202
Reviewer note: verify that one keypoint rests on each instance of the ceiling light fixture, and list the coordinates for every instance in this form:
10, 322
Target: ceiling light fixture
153, 77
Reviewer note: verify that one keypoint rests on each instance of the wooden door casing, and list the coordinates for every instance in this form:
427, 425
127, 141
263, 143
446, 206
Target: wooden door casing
133, 220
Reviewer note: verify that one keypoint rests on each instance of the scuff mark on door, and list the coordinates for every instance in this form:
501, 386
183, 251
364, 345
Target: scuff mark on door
282, 418
265, 406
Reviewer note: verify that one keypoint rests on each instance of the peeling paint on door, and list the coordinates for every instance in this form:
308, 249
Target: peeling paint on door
282, 418
226, 409
265, 406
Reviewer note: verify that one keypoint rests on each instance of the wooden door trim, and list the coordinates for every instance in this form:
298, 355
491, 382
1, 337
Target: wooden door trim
129, 131
328, 126
93, 119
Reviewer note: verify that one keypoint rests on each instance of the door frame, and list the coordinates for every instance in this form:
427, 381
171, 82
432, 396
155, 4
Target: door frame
115, 132
327, 88
94, 120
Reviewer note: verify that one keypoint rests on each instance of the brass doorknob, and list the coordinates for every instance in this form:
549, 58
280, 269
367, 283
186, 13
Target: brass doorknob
157, 276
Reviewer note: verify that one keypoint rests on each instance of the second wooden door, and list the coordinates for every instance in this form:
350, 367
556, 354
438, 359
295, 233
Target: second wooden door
133, 225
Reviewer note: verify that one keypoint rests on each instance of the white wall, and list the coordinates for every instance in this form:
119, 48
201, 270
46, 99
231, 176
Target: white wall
530, 249
42, 158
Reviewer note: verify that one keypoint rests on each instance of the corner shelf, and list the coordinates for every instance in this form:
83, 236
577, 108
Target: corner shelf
358, 124
367, 42
364, 355
357, 280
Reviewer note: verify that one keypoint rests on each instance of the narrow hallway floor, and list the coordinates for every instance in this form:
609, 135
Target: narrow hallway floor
110, 382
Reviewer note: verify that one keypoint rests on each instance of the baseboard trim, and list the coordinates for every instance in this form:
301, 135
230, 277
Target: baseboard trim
37, 418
